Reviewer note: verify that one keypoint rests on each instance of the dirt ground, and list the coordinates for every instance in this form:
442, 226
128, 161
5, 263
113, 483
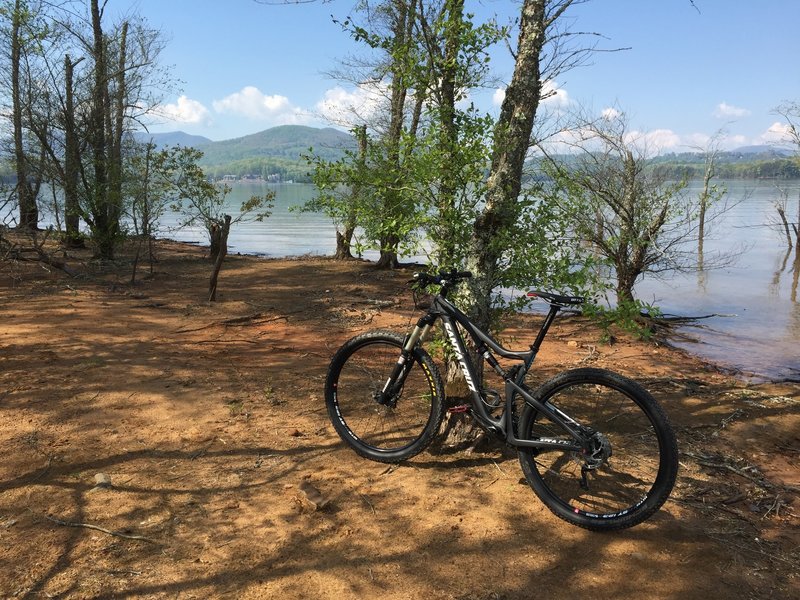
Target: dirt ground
158, 446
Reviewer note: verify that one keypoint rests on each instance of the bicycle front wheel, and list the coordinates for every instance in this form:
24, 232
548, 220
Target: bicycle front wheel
633, 462
390, 432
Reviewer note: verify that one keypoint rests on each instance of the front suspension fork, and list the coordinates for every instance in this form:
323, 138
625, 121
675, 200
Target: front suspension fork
388, 395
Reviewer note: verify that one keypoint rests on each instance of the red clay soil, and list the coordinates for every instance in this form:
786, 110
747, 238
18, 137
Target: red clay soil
158, 446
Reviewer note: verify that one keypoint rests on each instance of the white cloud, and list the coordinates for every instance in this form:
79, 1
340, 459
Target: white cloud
498, 96
553, 97
729, 142
252, 103
185, 110
350, 107
777, 133
724, 110
610, 113
656, 141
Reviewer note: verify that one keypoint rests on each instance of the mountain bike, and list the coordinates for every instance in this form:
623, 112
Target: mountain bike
594, 446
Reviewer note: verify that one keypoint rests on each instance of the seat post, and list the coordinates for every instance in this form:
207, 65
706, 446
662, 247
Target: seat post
551, 315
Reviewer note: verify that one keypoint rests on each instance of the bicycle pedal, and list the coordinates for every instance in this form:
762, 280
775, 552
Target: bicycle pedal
461, 408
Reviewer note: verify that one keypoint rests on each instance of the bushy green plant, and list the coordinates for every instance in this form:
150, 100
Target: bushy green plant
632, 316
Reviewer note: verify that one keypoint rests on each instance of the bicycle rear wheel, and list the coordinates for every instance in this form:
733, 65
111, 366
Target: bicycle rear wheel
634, 460
385, 433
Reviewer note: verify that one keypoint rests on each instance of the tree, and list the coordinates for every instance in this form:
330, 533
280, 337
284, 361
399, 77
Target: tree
93, 110
790, 111
72, 157
147, 191
710, 193
635, 219
388, 207
510, 144
425, 157
341, 192
452, 154
204, 202
25, 29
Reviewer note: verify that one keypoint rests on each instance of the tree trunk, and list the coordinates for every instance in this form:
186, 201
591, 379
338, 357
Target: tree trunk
448, 141
624, 290
343, 241
101, 230
72, 210
705, 195
215, 241
388, 257
222, 242
115, 121
785, 223
403, 20
512, 136
26, 199
795, 272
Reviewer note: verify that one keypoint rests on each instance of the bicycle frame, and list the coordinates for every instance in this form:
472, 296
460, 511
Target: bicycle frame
501, 426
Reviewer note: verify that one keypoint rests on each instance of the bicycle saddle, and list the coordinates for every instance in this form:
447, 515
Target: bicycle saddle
557, 299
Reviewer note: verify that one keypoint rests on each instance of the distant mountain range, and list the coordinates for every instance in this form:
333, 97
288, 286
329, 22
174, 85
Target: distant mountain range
276, 154
743, 153
286, 141
763, 150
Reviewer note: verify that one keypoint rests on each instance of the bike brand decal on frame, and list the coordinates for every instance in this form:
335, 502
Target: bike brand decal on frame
460, 356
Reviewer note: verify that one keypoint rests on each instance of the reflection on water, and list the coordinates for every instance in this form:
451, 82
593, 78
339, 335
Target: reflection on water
758, 293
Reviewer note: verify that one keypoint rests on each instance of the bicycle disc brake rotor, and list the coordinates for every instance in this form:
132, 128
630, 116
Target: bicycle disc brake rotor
597, 456
601, 451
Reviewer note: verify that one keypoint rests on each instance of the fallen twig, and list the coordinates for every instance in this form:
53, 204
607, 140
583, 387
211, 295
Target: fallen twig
707, 461
366, 500
237, 321
140, 538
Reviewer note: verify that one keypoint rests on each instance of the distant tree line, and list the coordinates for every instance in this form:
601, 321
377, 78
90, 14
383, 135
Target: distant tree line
775, 168
266, 168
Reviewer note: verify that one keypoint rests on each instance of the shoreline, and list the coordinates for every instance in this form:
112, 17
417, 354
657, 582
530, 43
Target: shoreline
747, 377
742, 374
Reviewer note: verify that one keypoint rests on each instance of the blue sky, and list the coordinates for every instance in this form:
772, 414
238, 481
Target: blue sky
245, 66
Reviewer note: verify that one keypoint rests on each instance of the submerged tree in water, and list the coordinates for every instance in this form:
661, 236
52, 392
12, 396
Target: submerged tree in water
637, 220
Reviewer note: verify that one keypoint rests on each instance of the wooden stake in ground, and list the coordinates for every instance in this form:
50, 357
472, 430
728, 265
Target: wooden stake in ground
221, 233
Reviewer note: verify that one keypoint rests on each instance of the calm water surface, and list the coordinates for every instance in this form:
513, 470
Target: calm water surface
758, 293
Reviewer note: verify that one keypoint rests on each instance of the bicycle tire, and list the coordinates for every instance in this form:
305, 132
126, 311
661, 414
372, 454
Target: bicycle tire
635, 478
382, 433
